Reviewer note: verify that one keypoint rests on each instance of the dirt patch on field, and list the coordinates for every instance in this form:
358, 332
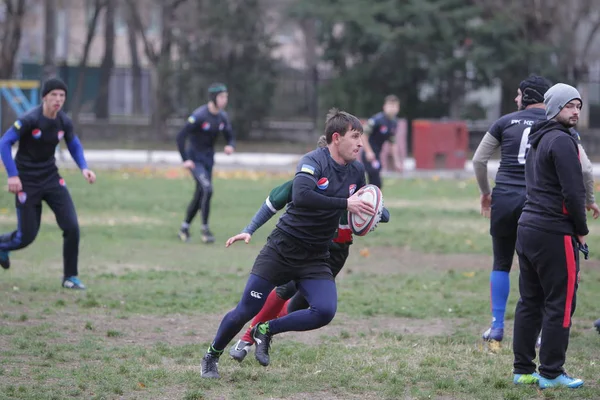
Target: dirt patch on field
96, 220
178, 330
395, 260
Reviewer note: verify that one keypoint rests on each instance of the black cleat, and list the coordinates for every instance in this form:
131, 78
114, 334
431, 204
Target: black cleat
4, 259
262, 342
207, 236
597, 325
209, 366
184, 234
240, 350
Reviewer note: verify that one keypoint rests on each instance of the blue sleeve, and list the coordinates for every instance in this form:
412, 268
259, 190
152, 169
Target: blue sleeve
263, 214
228, 132
181, 138
6, 142
76, 150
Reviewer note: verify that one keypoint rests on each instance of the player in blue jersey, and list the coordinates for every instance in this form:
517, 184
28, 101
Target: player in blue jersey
33, 177
381, 128
202, 128
298, 248
505, 203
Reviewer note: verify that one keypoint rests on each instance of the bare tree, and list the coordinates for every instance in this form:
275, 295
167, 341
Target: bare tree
160, 60
49, 68
10, 36
136, 69
91, 32
108, 61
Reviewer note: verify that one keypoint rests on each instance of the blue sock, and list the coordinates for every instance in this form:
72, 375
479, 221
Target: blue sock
499, 290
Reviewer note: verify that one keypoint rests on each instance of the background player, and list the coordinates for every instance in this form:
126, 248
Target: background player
510, 134
33, 177
278, 302
381, 128
202, 129
297, 249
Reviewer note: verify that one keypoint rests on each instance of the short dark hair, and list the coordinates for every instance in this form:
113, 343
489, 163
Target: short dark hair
392, 98
340, 122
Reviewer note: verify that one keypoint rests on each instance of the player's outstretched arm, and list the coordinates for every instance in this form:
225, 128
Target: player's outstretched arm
6, 142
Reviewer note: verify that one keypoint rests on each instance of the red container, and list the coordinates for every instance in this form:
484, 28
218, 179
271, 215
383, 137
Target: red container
440, 145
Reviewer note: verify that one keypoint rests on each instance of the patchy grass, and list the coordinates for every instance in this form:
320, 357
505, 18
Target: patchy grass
413, 300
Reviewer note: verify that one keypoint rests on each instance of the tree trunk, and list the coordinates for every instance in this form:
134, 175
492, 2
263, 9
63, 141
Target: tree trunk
11, 37
49, 69
108, 62
162, 101
91, 32
136, 69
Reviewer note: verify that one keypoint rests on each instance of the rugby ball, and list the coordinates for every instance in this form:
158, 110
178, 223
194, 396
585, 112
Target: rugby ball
361, 224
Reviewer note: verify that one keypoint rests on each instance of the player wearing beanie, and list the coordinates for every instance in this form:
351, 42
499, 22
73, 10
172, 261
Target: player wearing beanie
33, 177
202, 128
505, 203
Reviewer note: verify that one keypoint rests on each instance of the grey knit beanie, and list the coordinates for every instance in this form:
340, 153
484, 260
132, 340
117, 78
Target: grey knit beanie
557, 97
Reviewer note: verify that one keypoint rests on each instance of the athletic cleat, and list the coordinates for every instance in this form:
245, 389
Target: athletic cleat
240, 350
262, 339
526, 379
207, 236
597, 325
209, 366
73, 282
563, 380
491, 334
184, 234
4, 259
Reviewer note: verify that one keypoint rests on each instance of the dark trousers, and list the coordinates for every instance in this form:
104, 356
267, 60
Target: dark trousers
548, 281
202, 174
54, 192
373, 170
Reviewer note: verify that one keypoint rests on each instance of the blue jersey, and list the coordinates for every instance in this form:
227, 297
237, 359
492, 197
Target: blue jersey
512, 131
202, 129
38, 137
382, 130
312, 219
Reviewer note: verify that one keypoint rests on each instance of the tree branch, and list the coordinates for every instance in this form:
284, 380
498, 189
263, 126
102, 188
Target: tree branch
148, 47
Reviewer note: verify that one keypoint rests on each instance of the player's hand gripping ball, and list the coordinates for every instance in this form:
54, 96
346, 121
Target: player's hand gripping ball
362, 223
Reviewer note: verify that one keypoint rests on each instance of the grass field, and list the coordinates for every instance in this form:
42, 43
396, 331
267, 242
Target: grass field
413, 301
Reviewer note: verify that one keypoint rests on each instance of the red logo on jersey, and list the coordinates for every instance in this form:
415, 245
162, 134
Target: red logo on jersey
61, 182
22, 196
36, 133
61, 134
383, 129
352, 189
205, 126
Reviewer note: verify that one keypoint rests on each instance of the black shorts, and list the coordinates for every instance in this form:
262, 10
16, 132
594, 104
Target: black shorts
285, 258
507, 206
337, 258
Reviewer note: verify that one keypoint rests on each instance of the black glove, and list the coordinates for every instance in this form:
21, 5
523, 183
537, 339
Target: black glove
584, 249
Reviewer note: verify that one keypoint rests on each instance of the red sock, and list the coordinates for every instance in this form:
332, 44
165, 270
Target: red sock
269, 311
284, 311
